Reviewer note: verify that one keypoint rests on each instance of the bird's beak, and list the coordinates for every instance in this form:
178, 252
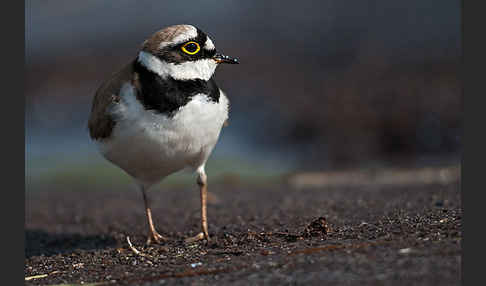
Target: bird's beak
220, 58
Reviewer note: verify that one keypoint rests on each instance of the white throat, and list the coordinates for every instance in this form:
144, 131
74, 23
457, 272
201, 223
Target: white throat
200, 69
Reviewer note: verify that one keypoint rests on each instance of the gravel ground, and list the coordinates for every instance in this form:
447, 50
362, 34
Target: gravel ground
267, 234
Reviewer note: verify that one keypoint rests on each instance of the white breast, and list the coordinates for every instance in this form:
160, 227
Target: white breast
150, 146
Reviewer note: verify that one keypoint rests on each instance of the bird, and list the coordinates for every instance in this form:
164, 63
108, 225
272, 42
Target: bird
163, 112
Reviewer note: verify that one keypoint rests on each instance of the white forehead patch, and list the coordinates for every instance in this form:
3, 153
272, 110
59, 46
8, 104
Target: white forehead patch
200, 69
209, 44
189, 33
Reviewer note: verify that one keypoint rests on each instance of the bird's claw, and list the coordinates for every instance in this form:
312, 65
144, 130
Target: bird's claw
197, 237
156, 237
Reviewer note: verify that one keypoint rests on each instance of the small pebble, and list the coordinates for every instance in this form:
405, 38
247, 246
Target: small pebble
405, 250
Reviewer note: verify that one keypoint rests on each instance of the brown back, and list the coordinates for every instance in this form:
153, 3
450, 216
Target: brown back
100, 122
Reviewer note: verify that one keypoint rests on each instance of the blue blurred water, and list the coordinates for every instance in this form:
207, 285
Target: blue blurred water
66, 144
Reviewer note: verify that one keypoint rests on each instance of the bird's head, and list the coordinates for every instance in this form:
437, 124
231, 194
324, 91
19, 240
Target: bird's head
182, 52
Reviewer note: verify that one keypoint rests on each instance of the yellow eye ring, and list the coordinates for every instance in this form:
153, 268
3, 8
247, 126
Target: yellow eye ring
191, 51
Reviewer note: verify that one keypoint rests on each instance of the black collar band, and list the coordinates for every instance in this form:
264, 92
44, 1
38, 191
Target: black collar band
167, 95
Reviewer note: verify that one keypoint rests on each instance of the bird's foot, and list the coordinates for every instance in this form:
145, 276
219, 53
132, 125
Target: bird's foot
154, 236
199, 236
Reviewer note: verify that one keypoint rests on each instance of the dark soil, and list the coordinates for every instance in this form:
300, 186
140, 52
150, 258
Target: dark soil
393, 235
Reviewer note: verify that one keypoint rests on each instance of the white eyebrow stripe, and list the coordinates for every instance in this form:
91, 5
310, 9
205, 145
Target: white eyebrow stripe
209, 44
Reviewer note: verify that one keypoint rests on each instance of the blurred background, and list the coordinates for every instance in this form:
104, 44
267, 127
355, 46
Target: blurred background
322, 85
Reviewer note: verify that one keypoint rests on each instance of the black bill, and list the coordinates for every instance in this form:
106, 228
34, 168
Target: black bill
220, 58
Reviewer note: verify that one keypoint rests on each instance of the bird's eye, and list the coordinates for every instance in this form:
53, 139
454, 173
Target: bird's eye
191, 48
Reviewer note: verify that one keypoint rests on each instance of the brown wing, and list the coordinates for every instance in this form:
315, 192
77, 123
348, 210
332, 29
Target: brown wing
100, 122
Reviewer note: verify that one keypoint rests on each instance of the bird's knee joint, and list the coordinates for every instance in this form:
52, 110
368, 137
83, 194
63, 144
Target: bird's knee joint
201, 180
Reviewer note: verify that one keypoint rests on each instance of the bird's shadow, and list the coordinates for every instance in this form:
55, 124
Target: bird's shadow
39, 242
